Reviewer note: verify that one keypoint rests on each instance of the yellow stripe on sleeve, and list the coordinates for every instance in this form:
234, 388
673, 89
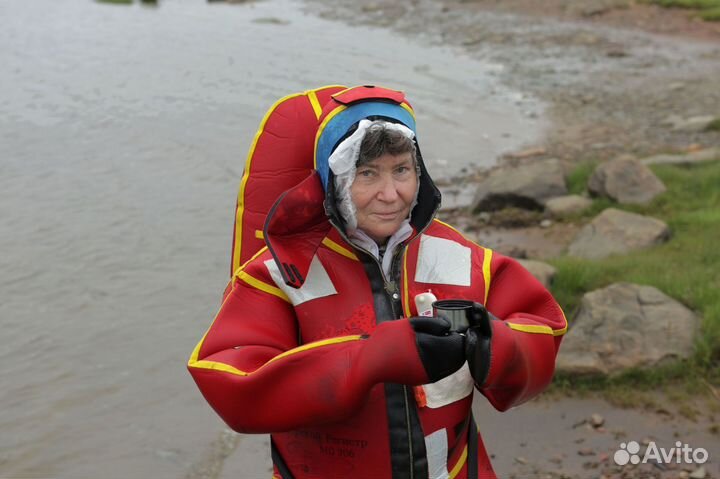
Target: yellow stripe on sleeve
538, 328
531, 328
316, 344
217, 366
563, 330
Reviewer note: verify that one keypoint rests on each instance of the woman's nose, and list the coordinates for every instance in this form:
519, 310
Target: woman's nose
388, 190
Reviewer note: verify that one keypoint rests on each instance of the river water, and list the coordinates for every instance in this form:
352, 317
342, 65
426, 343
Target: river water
123, 131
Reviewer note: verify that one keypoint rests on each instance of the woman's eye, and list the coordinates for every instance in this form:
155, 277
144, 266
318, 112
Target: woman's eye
402, 170
365, 173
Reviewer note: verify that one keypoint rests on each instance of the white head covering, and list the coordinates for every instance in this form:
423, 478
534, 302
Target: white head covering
343, 163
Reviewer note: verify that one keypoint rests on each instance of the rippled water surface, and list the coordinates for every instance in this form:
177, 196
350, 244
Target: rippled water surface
123, 131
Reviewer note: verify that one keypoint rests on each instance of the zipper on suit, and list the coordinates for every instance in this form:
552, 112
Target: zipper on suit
392, 290
409, 433
395, 297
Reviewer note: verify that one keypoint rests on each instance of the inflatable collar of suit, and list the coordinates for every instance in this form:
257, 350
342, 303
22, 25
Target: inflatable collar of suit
310, 207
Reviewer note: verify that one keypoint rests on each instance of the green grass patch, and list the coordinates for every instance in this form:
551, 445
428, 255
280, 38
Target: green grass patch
715, 124
694, 4
710, 15
576, 182
578, 178
686, 268
708, 9
693, 378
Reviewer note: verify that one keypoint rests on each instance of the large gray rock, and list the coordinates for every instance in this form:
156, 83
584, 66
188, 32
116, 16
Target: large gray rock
626, 326
544, 272
525, 186
692, 124
615, 232
565, 205
707, 154
625, 180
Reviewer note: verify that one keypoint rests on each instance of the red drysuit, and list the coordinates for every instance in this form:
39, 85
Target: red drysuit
314, 369
331, 369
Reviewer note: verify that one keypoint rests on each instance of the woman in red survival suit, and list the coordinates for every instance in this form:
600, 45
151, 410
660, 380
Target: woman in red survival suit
320, 341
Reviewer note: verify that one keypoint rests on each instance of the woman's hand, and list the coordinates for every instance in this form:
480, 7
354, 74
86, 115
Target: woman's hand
442, 351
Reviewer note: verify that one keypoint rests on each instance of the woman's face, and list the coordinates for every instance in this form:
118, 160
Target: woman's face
383, 191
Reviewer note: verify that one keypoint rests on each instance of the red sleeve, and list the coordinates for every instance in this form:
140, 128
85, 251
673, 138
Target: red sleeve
525, 337
252, 372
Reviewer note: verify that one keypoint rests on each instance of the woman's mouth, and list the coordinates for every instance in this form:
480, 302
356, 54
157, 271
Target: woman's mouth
387, 216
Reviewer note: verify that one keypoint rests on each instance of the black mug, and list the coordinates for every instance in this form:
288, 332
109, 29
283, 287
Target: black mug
461, 313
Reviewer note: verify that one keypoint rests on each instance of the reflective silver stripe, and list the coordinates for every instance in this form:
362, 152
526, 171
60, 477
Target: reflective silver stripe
436, 445
443, 261
449, 389
316, 285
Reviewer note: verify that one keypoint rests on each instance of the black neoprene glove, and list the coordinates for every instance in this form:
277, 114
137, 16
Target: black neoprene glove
478, 341
441, 350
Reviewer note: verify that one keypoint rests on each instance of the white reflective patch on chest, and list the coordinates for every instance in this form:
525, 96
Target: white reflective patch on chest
449, 389
316, 285
443, 261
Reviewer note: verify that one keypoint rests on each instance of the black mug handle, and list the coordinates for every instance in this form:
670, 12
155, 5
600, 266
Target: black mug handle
478, 317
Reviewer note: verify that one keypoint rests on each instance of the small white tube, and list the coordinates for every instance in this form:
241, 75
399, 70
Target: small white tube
423, 303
